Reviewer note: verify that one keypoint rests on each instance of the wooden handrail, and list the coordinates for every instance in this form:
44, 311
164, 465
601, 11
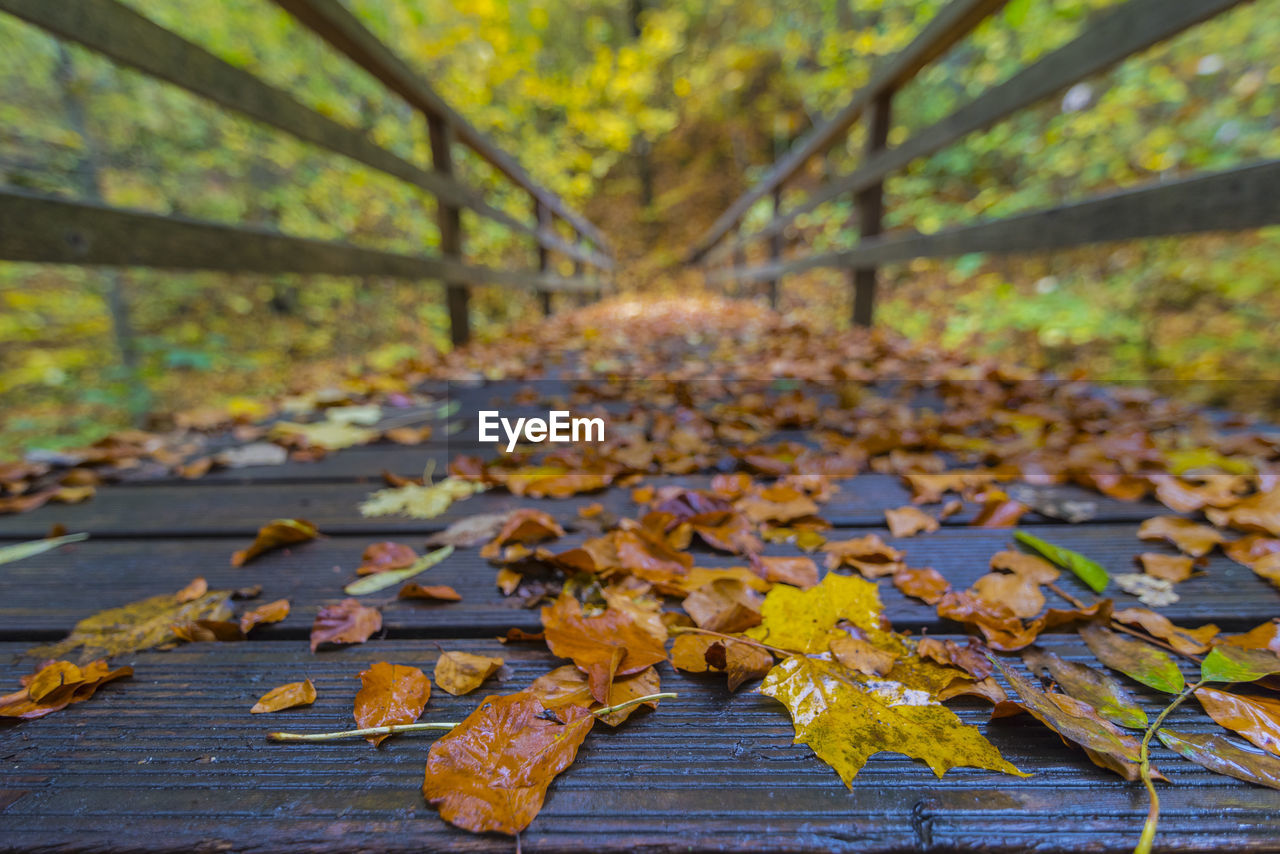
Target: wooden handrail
341, 29
49, 230
949, 26
1231, 200
1124, 31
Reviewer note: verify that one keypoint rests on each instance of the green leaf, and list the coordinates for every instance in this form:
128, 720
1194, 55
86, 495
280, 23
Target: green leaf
1135, 659
1237, 664
380, 580
18, 551
1094, 687
1086, 569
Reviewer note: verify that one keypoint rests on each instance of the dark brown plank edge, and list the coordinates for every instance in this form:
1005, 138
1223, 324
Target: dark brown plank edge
1129, 29
707, 771
48, 230
341, 29
1235, 199
950, 25
128, 38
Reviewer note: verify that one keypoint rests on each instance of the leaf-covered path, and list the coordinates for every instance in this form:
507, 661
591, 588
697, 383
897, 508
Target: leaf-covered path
171, 759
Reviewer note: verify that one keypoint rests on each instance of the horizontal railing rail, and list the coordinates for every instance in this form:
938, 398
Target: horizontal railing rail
1241, 198
58, 231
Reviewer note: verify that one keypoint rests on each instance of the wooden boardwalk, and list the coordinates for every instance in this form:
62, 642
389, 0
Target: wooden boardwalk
171, 760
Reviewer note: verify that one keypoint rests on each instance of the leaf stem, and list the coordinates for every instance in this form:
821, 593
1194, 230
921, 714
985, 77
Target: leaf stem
392, 729
683, 630
1121, 627
1144, 766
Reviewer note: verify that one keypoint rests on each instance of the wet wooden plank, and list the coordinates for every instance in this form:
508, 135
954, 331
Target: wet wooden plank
175, 750
45, 595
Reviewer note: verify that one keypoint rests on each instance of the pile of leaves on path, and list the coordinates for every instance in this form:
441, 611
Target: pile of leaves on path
969, 441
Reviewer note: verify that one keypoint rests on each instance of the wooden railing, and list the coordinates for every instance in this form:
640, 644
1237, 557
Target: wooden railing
55, 230
1244, 197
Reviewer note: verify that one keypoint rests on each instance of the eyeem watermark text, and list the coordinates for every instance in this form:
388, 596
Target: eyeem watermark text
558, 426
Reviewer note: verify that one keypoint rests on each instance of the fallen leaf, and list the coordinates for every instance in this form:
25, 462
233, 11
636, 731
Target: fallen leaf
1260, 513
390, 694
286, 697
1223, 756
343, 623
863, 656
1139, 661
1185, 641
523, 526
740, 660
1107, 696
380, 557
725, 605
471, 531
1018, 593
870, 555
797, 571
1189, 537
137, 626
925, 584
491, 772
1106, 745
1156, 592
270, 612
804, 621
1255, 718
276, 535
972, 658
56, 685
419, 501
624, 639
1031, 567
1086, 569
909, 521
567, 686
197, 588
1238, 664
19, 551
1264, 636
437, 592
382, 580
461, 673
846, 722
1173, 568
208, 631
329, 435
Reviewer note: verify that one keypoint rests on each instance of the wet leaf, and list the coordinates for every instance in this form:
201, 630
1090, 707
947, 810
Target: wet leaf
925, 584
380, 557
1019, 594
19, 551
1238, 664
804, 621
1139, 661
382, 580
137, 626
741, 661
725, 605
797, 571
1189, 537
491, 772
270, 612
471, 531
1255, 718
276, 535
1104, 694
1186, 641
461, 673
567, 686
1173, 568
1264, 636
286, 697
197, 588
56, 685
208, 631
846, 722
436, 592
863, 656
624, 639
343, 623
1106, 745
390, 694
524, 526
1087, 570
1223, 756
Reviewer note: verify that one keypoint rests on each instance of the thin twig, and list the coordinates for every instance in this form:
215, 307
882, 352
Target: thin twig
1121, 627
1144, 766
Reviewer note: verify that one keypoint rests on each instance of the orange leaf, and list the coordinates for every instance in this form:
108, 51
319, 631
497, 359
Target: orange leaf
461, 673
390, 694
275, 535
286, 697
346, 622
197, 588
624, 639
435, 592
385, 556
271, 612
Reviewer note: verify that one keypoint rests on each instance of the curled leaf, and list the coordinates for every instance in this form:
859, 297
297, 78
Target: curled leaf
624, 639
741, 661
276, 535
55, 686
286, 697
1190, 537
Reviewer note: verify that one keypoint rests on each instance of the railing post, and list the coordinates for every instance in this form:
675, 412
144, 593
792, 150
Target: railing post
578, 269
542, 214
449, 219
870, 207
775, 249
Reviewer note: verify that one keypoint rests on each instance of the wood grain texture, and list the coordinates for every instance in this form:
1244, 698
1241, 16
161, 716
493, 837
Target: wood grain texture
142, 767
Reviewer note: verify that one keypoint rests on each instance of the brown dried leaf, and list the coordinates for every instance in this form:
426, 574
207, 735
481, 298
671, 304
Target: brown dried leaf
870, 555
725, 605
909, 521
286, 697
56, 685
1255, 718
1173, 568
270, 612
137, 626
863, 656
741, 661
385, 556
1018, 593
924, 583
625, 639
390, 694
432, 592
461, 673
197, 588
276, 535
1185, 641
1189, 537
346, 622
799, 572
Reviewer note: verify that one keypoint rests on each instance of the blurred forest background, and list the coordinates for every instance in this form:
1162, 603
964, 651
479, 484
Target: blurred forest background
650, 116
